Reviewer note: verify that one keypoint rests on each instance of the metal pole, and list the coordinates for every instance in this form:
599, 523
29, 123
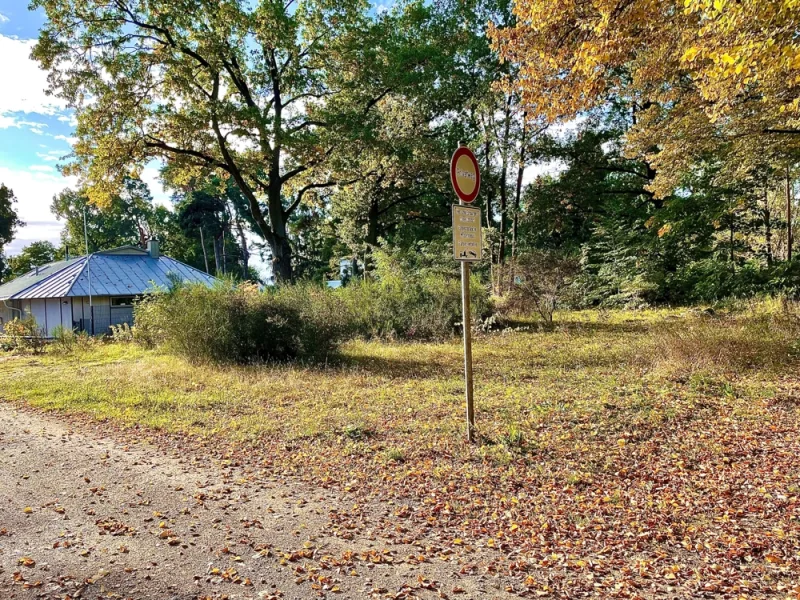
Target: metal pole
467, 325
88, 268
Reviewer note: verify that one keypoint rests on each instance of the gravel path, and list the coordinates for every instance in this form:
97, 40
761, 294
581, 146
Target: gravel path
86, 516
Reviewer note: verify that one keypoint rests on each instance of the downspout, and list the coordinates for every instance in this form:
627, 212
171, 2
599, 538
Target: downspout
12, 308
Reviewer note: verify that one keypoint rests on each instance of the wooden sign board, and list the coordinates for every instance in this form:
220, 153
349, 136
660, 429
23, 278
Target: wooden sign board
467, 240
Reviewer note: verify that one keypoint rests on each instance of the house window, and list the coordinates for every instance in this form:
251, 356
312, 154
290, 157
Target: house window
122, 301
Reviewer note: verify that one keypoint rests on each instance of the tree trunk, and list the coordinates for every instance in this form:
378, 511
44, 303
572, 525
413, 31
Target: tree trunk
279, 240
371, 239
243, 249
281, 259
518, 196
224, 256
489, 195
788, 214
501, 253
217, 269
203, 246
487, 174
767, 227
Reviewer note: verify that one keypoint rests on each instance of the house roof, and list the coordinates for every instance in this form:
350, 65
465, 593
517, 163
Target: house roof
124, 271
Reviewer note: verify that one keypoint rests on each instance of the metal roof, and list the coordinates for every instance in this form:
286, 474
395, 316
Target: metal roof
31, 278
119, 272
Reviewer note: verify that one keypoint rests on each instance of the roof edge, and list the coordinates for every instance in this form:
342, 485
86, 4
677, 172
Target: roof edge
88, 257
190, 267
53, 274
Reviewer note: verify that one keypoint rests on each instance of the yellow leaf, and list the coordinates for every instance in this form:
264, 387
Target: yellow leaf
690, 54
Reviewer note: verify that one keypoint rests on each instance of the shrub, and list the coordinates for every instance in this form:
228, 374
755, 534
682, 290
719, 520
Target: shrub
541, 282
122, 333
25, 335
242, 324
64, 340
425, 305
234, 324
67, 340
320, 323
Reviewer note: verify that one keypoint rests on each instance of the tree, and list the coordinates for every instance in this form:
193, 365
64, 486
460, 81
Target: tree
234, 88
695, 75
33, 255
129, 218
9, 220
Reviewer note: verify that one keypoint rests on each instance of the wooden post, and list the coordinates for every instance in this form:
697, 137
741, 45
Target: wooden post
467, 323
466, 320
464, 251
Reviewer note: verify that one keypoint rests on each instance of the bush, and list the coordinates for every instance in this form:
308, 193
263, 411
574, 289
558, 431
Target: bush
425, 305
237, 324
122, 333
242, 324
67, 340
25, 335
541, 283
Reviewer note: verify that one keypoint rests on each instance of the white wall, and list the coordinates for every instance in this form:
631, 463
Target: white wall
49, 313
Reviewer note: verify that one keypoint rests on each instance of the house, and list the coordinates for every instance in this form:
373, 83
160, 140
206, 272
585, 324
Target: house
92, 293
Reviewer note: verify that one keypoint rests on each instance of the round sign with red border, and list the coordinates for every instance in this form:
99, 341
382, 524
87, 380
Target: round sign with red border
465, 175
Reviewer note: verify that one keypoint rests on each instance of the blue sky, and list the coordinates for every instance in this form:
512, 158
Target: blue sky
35, 130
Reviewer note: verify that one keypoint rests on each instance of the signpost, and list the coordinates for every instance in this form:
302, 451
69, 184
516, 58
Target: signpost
467, 247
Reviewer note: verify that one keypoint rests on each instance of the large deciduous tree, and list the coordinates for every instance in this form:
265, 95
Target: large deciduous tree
128, 217
696, 75
230, 87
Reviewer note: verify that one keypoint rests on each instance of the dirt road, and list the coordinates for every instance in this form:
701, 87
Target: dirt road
86, 516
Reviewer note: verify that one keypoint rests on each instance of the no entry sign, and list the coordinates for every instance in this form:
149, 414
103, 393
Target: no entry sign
465, 175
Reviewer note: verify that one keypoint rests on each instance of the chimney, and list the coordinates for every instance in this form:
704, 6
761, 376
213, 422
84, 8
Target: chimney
152, 248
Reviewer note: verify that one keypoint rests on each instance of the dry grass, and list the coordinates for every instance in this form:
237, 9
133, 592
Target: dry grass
611, 428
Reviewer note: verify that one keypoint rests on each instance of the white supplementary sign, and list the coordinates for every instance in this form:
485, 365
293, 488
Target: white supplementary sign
467, 240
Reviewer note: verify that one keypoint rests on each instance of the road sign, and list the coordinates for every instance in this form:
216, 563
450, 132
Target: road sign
467, 247
465, 175
467, 242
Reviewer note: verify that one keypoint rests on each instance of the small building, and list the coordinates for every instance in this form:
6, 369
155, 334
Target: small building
91, 293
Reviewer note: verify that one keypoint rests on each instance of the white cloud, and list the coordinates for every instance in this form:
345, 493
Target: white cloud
3, 18
69, 119
7, 122
34, 191
52, 155
66, 138
42, 168
27, 92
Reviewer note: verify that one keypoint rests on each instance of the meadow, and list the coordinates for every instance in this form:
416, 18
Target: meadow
621, 453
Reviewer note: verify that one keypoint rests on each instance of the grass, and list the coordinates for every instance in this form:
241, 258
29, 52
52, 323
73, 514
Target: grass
657, 447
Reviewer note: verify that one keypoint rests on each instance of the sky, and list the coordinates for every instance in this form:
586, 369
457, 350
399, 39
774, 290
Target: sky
36, 132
